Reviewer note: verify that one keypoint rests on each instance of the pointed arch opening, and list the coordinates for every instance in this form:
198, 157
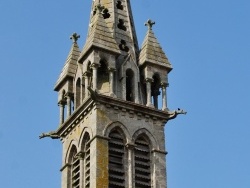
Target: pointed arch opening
78, 93
116, 159
142, 162
129, 85
155, 90
74, 172
85, 148
103, 77
89, 75
72, 105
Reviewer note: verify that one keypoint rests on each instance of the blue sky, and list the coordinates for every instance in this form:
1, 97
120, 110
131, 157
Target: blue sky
208, 44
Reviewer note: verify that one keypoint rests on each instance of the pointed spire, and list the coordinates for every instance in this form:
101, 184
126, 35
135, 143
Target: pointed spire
70, 66
100, 35
116, 23
151, 50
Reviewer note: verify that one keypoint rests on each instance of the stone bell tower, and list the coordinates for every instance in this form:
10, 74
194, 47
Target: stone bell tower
111, 126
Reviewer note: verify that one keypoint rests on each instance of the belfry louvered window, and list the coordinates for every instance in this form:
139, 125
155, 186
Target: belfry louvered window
116, 160
75, 171
87, 162
142, 163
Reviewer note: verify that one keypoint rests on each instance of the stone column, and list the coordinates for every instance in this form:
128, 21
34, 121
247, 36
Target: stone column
80, 156
86, 76
94, 67
148, 83
130, 160
111, 82
69, 98
61, 104
164, 96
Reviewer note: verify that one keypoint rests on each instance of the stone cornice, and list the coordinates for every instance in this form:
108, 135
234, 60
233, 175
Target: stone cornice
95, 101
132, 107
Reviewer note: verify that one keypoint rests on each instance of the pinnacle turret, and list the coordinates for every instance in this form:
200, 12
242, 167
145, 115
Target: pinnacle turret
70, 66
151, 51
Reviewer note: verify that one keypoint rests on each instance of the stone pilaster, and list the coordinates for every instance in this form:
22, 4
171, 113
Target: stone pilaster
61, 105
66, 181
99, 162
130, 178
164, 96
69, 99
159, 174
94, 67
111, 82
86, 76
148, 85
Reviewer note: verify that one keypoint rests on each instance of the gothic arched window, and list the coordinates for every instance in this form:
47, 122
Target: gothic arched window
116, 160
74, 176
86, 160
142, 163
155, 89
129, 85
78, 93
103, 77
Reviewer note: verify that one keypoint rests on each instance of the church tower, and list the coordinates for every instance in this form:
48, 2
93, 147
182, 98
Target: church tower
111, 125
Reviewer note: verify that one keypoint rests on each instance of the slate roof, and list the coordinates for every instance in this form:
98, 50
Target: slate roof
152, 52
70, 66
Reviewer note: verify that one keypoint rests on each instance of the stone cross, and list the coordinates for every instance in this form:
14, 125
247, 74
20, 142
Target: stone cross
74, 37
150, 24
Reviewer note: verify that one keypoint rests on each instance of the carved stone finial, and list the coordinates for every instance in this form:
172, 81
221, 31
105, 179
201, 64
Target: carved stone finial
100, 8
74, 37
150, 24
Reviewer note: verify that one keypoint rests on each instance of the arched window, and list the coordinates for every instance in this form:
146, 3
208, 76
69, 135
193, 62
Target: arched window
142, 163
89, 75
72, 104
86, 160
103, 78
83, 90
129, 85
155, 89
78, 93
116, 160
74, 175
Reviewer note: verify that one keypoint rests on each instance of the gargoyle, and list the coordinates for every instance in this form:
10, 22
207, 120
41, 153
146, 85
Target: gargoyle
175, 113
51, 134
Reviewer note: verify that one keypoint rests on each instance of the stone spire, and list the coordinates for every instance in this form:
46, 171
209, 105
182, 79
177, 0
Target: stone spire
70, 66
118, 22
100, 35
151, 50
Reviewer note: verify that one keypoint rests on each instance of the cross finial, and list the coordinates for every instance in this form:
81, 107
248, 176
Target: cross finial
74, 37
150, 24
